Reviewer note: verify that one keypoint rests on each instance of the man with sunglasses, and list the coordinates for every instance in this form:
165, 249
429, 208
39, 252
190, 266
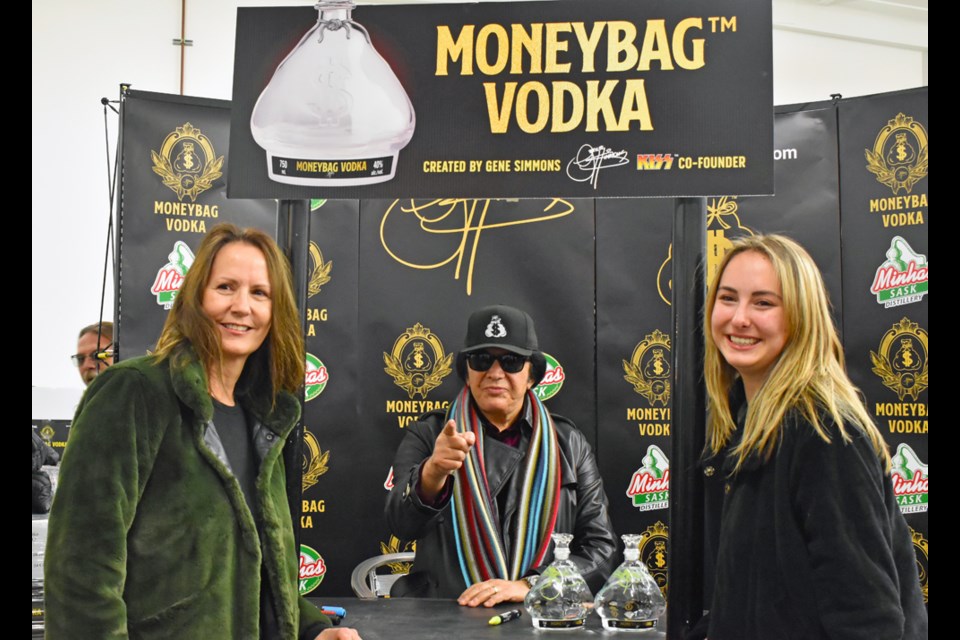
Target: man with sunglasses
483, 485
94, 350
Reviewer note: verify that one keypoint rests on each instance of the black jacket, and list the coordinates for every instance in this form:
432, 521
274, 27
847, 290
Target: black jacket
812, 545
42, 487
583, 508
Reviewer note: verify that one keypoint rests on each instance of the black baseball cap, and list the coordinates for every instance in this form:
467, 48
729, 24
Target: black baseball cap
501, 326
507, 328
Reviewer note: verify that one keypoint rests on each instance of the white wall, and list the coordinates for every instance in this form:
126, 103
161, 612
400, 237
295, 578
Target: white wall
82, 51
850, 47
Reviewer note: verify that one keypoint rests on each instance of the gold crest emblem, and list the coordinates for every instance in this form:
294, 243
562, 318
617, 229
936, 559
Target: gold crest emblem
921, 544
315, 461
393, 546
653, 553
417, 362
649, 368
899, 154
47, 432
187, 162
319, 271
902, 359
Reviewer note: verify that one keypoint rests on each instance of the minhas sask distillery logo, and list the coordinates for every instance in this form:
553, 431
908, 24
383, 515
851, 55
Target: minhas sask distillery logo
312, 569
552, 379
909, 476
388, 483
650, 485
171, 275
902, 278
187, 162
417, 362
315, 380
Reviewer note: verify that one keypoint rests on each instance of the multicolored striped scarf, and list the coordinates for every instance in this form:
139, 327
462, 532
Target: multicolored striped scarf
476, 522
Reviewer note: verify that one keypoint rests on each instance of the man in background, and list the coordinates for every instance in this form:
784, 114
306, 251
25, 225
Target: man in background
94, 350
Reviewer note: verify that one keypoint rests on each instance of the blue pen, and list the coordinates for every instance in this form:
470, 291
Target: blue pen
336, 611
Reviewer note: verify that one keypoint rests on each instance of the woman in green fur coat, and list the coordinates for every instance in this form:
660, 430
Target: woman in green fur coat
171, 517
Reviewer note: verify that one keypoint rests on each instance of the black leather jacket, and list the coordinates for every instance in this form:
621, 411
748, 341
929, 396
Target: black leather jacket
583, 508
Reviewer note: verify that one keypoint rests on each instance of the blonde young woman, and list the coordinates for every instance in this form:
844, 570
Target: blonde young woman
171, 517
811, 541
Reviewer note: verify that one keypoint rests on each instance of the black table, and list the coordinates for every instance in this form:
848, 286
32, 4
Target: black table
426, 619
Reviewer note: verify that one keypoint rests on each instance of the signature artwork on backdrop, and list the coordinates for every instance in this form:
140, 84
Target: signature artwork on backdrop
510, 99
450, 230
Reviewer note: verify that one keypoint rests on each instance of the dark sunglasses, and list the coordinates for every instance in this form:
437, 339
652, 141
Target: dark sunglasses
509, 362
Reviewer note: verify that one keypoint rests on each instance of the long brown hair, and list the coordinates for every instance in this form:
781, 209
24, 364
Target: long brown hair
281, 355
809, 376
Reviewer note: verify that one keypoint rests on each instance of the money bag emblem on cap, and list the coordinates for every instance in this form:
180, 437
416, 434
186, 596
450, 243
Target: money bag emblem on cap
495, 328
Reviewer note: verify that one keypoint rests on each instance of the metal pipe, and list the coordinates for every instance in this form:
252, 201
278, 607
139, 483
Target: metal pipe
685, 569
293, 235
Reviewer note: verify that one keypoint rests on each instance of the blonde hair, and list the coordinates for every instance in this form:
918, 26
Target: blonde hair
279, 362
809, 376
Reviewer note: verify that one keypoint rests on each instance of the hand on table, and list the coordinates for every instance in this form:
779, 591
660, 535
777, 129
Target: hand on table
493, 592
339, 633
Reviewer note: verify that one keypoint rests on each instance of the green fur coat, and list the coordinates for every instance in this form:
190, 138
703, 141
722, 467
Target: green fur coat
150, 535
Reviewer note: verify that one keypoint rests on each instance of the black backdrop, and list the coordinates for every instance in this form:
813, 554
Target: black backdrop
595, 275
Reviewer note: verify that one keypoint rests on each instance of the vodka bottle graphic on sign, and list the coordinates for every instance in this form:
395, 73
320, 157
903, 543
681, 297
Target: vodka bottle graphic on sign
334, 113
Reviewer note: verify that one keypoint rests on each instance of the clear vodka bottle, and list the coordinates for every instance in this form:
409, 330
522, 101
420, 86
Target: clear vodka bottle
561, 598
631, 599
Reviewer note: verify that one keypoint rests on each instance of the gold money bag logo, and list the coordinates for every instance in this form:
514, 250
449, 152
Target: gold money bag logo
319, 270
723, 223
654, 553
315, 461
417, 362
899, 154
187, 162
901, 360
648, 369
47, 432
921, 547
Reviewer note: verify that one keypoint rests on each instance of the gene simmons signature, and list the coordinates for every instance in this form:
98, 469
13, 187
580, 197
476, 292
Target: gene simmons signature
586, 165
